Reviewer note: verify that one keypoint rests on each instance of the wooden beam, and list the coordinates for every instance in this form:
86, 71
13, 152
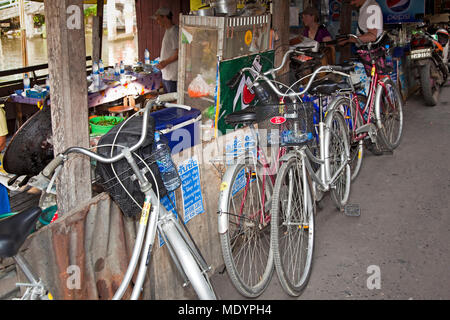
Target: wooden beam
69, 103
345, 28
281, 27
97, 32
23, 33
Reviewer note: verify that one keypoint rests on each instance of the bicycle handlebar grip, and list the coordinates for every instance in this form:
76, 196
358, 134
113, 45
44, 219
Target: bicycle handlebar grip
167, 97
233, 83
51, 167
337, 68
175, 105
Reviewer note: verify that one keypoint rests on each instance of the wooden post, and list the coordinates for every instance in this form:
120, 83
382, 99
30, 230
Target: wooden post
23, 33
345, 28
69, 103
281, 27
97, 32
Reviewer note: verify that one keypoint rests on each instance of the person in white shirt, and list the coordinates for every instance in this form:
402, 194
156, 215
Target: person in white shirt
370, 21
169, 49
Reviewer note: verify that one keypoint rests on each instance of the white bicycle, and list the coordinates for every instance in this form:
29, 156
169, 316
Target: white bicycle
182, 249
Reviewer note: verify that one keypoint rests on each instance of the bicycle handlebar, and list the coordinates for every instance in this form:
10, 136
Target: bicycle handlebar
161, 100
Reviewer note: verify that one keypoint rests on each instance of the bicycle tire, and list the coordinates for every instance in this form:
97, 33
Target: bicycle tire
388, 118
337, 151
250, 278
292, 227
348, 109
197, 277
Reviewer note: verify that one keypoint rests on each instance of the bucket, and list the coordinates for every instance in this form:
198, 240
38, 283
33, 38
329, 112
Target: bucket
99, 125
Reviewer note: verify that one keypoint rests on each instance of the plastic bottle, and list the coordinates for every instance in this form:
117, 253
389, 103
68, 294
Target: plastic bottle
169, 173
122, 68
101, 67
388, 57
47, 83
95, 68
147, 57
117, 70
26, 82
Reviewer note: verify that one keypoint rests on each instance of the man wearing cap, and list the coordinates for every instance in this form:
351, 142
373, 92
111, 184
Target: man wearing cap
169, 49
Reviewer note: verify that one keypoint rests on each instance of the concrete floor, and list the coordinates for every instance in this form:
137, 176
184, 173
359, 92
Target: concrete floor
404, 227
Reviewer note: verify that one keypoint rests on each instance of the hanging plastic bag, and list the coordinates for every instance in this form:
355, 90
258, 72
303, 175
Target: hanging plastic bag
198, 88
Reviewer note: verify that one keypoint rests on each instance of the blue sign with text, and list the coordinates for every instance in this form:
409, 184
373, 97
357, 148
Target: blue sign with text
401, 11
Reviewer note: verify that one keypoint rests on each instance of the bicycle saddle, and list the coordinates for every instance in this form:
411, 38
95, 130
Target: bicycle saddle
15, 230
325, 87
246, 116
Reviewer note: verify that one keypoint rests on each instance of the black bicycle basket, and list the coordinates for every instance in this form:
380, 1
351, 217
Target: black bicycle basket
117, 177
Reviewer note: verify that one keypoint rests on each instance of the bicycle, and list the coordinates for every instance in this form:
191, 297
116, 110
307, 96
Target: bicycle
332, 134
383, 104
183, 251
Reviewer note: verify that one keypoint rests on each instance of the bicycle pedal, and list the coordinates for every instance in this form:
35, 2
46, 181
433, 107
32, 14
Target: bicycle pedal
352, 210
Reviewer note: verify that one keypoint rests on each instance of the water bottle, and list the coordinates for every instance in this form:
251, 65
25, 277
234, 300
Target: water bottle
95, 68
388, 57
101, 67
147, 57
122, 68
117, 70
26, 82
169, 173
47, 83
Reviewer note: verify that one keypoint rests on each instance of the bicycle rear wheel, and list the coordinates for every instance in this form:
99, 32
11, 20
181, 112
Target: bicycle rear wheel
292, 227
337, 154
246, 242
389, 113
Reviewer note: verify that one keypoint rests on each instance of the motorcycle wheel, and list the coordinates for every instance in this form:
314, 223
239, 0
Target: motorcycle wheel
430, 87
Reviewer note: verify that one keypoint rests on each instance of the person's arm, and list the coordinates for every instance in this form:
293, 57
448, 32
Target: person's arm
166, 62
2, 143
369, 36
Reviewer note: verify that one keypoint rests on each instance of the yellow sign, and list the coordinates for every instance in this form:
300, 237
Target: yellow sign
248, 38
145, 213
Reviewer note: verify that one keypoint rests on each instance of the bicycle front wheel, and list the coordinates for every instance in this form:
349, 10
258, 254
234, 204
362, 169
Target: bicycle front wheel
246, 240
353, 120
292, 227
389, 113
337, 155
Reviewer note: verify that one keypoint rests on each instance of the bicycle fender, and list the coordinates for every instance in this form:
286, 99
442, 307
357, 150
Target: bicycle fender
225, 189
288, 156
378, 96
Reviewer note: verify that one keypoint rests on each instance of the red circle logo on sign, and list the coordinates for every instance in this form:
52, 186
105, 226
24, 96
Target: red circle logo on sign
278, 120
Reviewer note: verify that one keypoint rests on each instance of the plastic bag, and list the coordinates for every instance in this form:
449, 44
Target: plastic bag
198, 88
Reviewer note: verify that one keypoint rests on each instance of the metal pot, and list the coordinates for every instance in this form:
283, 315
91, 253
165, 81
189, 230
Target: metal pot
204, 11
227, 7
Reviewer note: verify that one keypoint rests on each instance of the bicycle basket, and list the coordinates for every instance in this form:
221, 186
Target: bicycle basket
290, 124
379, 55
117, 177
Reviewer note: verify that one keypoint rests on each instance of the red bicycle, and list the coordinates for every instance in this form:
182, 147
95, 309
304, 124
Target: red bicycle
377, 117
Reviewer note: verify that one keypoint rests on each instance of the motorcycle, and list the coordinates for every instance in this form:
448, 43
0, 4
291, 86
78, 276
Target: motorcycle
429, 54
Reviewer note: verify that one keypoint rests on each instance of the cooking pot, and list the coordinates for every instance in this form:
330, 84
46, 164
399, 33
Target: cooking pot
227, 7
205, 11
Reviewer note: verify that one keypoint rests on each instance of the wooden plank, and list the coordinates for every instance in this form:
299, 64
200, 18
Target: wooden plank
67, 69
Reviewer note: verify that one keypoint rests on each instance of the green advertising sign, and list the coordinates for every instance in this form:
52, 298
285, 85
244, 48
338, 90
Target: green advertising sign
239, 98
